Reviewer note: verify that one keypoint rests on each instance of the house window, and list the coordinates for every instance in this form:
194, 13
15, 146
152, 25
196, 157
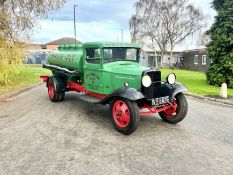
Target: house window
196, 59
178, 60
159, 58
203, 60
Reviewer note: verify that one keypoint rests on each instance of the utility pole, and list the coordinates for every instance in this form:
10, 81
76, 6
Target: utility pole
122, 35
75, 24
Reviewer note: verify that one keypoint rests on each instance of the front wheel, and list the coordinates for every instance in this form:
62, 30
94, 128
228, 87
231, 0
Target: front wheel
178, 110
125, 115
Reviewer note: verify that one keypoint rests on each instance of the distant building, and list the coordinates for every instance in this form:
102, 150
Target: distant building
196, 59
148, 59
37, 56
53, 45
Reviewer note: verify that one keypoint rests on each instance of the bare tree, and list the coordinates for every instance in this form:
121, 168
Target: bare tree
168, 22
203, 39
181, 20
148, 28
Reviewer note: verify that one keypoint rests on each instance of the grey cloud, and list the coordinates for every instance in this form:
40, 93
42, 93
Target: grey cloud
97, 10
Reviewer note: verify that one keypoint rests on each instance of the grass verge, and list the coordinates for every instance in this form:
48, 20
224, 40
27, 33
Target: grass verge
195, 82
28, 75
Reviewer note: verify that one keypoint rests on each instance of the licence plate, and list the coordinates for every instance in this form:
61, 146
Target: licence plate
160, 101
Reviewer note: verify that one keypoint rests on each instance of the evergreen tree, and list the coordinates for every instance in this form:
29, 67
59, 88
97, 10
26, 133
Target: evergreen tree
220, 49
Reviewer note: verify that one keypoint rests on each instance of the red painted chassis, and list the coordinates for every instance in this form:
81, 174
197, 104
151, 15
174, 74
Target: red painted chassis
78, 87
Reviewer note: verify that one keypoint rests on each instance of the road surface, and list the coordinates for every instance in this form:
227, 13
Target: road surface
76, 137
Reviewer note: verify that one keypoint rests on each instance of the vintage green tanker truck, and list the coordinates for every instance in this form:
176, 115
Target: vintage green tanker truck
110, 73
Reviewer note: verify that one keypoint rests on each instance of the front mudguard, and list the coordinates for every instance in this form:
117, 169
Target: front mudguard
125, 92
172, 90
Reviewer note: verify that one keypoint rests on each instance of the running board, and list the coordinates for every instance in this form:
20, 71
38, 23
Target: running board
89, 98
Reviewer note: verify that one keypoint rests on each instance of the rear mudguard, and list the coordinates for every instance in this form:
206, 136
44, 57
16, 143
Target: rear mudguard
134, 95
172, 90
128, 93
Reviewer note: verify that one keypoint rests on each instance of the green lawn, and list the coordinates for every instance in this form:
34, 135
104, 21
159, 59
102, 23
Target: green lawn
196, 82
28, 75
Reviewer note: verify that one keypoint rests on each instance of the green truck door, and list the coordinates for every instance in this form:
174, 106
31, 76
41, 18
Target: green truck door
93, 70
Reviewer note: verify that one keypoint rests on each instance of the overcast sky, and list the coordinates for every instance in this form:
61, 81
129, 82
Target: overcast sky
96, 20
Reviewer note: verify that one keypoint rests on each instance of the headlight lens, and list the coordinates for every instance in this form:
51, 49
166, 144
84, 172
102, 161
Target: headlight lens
146, 81
171, 78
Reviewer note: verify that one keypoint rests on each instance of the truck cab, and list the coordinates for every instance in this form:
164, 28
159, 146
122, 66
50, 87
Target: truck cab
108, 66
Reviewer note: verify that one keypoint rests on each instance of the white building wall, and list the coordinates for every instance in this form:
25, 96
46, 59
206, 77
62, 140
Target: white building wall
144, 60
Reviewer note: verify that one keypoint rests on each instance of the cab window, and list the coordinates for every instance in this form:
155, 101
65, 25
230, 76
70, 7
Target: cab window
120, 54
93, 55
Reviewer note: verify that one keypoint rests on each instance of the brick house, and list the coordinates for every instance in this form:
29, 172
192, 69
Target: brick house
196, 60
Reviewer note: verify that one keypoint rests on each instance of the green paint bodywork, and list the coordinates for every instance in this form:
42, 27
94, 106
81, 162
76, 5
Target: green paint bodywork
102, 78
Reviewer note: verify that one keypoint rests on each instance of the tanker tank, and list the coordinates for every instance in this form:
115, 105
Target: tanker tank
69, 57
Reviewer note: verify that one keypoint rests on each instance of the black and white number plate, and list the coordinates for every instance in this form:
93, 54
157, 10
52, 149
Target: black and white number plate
160, 101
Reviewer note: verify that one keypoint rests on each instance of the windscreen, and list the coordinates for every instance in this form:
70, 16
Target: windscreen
120, 54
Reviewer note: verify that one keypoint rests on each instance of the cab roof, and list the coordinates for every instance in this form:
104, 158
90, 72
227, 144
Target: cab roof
111, 44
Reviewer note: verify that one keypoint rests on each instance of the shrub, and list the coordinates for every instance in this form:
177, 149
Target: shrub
11, 56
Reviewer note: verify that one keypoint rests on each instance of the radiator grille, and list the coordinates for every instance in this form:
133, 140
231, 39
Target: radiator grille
154, 90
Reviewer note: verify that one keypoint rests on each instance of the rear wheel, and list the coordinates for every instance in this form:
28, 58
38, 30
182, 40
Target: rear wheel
125, 115
54, 96
178, 110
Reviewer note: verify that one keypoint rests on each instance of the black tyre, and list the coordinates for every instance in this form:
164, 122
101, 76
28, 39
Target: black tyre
54, 95
177, 112
125, 115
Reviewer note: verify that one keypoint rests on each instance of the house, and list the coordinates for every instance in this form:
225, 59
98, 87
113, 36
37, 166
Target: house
148, 59
196, 60
53, 45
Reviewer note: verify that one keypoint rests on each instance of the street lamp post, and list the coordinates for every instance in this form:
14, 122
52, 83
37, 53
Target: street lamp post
122, 35
75, 24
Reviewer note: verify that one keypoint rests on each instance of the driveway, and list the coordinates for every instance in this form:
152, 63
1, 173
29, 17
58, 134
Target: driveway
77, 137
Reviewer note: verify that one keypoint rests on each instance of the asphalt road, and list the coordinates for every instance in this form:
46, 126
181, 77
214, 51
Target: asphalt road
76, 137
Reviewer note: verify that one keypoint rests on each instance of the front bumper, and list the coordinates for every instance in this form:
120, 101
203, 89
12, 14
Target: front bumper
165, 93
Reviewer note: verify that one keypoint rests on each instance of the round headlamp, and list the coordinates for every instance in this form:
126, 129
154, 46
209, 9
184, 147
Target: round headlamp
171, 78
146, 81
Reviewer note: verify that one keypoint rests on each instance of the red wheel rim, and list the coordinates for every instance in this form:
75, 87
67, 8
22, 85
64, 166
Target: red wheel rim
121, 114
171, 112
50, 90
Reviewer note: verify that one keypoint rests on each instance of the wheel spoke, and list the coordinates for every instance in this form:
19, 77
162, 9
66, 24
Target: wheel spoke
125, 117
124, 108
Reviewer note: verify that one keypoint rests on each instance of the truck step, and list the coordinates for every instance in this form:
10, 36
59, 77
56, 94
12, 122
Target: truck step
89, 98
